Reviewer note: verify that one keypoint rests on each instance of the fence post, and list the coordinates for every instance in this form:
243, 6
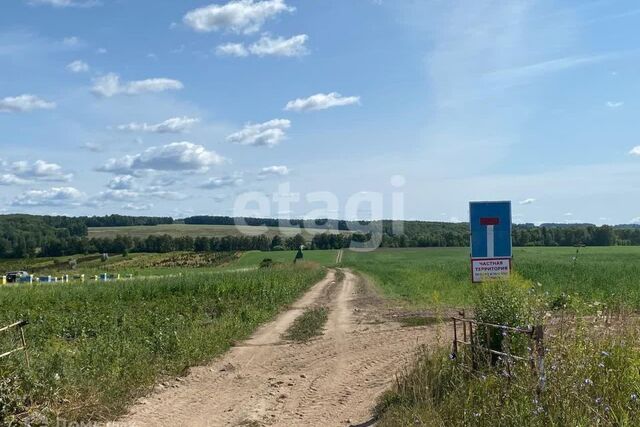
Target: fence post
455, 339
24, 343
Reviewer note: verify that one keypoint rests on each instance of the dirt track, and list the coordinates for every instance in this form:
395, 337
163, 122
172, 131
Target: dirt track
330, 381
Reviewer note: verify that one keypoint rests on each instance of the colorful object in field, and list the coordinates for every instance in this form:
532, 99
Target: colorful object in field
491, 250
299, 255
26, 279
45, 279
104, 277
3, 280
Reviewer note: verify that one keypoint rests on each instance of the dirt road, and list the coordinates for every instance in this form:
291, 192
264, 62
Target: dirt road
333, 380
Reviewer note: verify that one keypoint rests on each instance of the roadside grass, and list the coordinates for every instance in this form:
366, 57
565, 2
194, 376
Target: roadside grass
440, 277
308, 325
96, 347
592, 378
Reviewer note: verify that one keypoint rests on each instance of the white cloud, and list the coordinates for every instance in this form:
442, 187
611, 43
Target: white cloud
136, 207
635, 151
263, 134
101, 51
614, 104
177, 156
239, 16
66, 3
172, 125
78, 66
11, 179
267, 46
121, 182
24, 103
118, 195
225, 181
232, 49
56, 196
635, 220
527, 201
40, 170
109, 85
294, 46
321, 101
273, 171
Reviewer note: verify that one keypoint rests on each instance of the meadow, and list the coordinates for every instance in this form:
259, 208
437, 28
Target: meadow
197, 230
441, 276
95, 347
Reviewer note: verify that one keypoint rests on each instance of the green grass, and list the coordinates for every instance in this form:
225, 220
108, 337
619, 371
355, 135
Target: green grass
253, 258
96, 347
308, 325
194, 230
441, 276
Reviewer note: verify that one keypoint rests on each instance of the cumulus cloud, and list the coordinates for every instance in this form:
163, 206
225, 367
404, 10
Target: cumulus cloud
11, 179
177, 156
268, 134
40, 170
110, 85
121, 182
635, 151
56, 196
267, 46
232, 49
273, 171
239, 16
279, 46
527, 201
24, 103
614, 104
138, 207
321, 101
78, 66
126, 195
172, 125
224, 181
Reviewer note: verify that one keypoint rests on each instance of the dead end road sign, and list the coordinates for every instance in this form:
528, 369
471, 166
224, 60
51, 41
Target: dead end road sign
491, 250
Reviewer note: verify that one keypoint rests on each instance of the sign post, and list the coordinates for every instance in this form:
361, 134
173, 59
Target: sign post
491, 251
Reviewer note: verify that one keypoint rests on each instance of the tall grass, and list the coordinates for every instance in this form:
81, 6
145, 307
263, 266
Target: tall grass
428, 277
97, 346
592, 378
591, 374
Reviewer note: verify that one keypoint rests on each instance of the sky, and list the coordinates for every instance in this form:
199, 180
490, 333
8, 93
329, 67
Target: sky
351, 109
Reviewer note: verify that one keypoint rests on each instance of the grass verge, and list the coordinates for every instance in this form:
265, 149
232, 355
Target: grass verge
308, 325
96, 347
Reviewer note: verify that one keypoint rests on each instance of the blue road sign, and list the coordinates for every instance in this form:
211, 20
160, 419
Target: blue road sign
490, 229
491, 252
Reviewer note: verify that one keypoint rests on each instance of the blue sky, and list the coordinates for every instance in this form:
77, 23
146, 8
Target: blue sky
180, 108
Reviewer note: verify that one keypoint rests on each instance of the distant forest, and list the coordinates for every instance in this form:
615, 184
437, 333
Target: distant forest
33, 236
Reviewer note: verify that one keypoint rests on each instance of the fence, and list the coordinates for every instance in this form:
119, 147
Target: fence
23, 342
483, 345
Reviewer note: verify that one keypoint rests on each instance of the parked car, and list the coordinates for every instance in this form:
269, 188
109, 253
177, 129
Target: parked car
15, 276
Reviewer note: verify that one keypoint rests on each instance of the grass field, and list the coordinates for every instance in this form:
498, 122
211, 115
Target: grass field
441, 276
95, 347
179, 230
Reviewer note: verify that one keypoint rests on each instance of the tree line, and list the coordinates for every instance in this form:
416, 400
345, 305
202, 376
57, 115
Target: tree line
32, 235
